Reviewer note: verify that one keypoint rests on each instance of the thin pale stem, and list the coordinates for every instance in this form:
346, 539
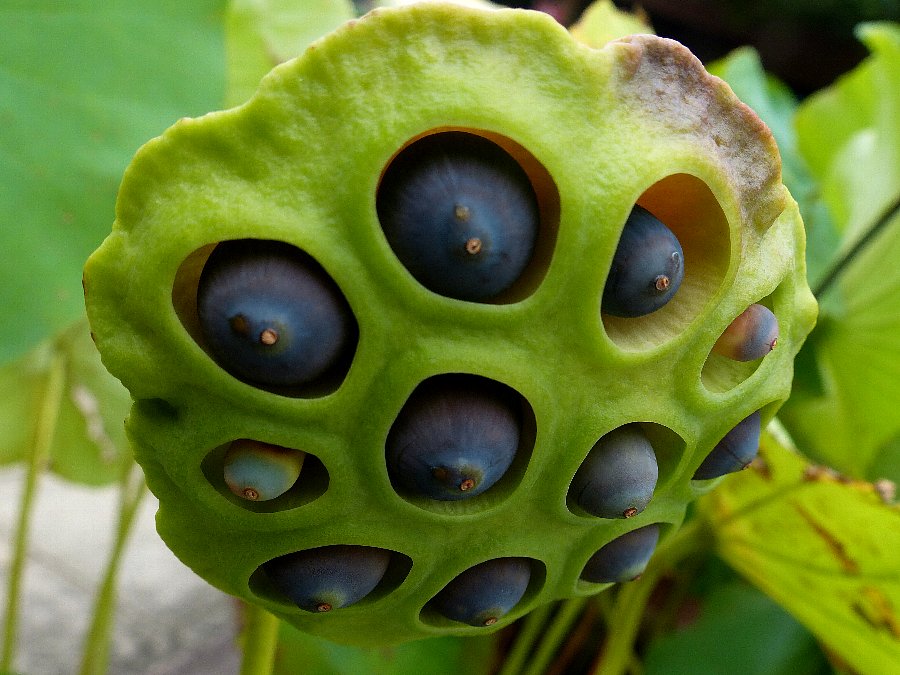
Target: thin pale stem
532, 626
555, 635
95, 657
45, 430
260, 641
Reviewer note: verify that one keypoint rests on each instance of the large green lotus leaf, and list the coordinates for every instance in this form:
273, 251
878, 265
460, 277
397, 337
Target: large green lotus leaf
82, 84
260, 34
847, 414
89, 444
823, 548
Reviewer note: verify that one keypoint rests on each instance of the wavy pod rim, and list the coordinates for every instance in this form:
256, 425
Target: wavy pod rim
507, 74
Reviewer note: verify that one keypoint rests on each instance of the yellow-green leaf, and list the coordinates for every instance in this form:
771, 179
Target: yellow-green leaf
824, 547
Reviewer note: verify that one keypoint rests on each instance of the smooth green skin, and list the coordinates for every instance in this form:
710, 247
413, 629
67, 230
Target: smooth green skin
300, 162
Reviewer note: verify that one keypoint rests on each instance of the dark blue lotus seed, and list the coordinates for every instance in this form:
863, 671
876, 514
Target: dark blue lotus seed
624, 558
647, 268
618, 477
752, 335
484, 594
330, 577
460, 214
270, 314
454, 438
734, 452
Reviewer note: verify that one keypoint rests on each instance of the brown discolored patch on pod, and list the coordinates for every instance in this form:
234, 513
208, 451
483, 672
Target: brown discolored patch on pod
663, 80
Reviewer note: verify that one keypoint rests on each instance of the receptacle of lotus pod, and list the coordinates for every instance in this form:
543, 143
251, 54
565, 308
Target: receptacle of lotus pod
444, 129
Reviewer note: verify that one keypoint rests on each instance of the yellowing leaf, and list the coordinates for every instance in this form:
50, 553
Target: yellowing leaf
824, 547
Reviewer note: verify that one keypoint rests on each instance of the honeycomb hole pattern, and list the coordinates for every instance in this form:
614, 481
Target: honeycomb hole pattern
537, 578
548, 205
398, 568
185, 303
687, 206
310, 485
510, 478
579, 386
720, 373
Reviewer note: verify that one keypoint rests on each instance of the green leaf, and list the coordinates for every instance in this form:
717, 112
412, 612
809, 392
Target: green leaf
260, 34
823, 548
89, 444
844, 407
850, 136
853, 421
739, 630
302, 653
82, 85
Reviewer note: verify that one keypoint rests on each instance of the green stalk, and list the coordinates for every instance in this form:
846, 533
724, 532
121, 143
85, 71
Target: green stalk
95, 657
631, 602
45, 430
260, 641
555, 635
532, 626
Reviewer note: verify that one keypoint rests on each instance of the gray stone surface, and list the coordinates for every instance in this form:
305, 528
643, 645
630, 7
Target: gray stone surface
168, 621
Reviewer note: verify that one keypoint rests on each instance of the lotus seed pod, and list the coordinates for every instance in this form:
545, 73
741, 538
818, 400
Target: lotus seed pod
752, 335
579, 142
260, 471
618, 477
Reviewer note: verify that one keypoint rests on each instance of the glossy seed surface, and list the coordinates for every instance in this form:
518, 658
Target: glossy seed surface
460, 214
271, 315
484, 594
259, 471
752, 335
455, 437
617, 478
624, 558
734, 452
647, 268
330, 577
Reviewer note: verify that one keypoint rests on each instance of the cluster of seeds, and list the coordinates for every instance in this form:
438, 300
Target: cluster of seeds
434, 385
462, 217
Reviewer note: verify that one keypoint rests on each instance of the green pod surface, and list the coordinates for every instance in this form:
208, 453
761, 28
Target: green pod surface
597, 131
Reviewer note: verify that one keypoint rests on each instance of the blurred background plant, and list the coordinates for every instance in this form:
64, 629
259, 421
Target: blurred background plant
790, 567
